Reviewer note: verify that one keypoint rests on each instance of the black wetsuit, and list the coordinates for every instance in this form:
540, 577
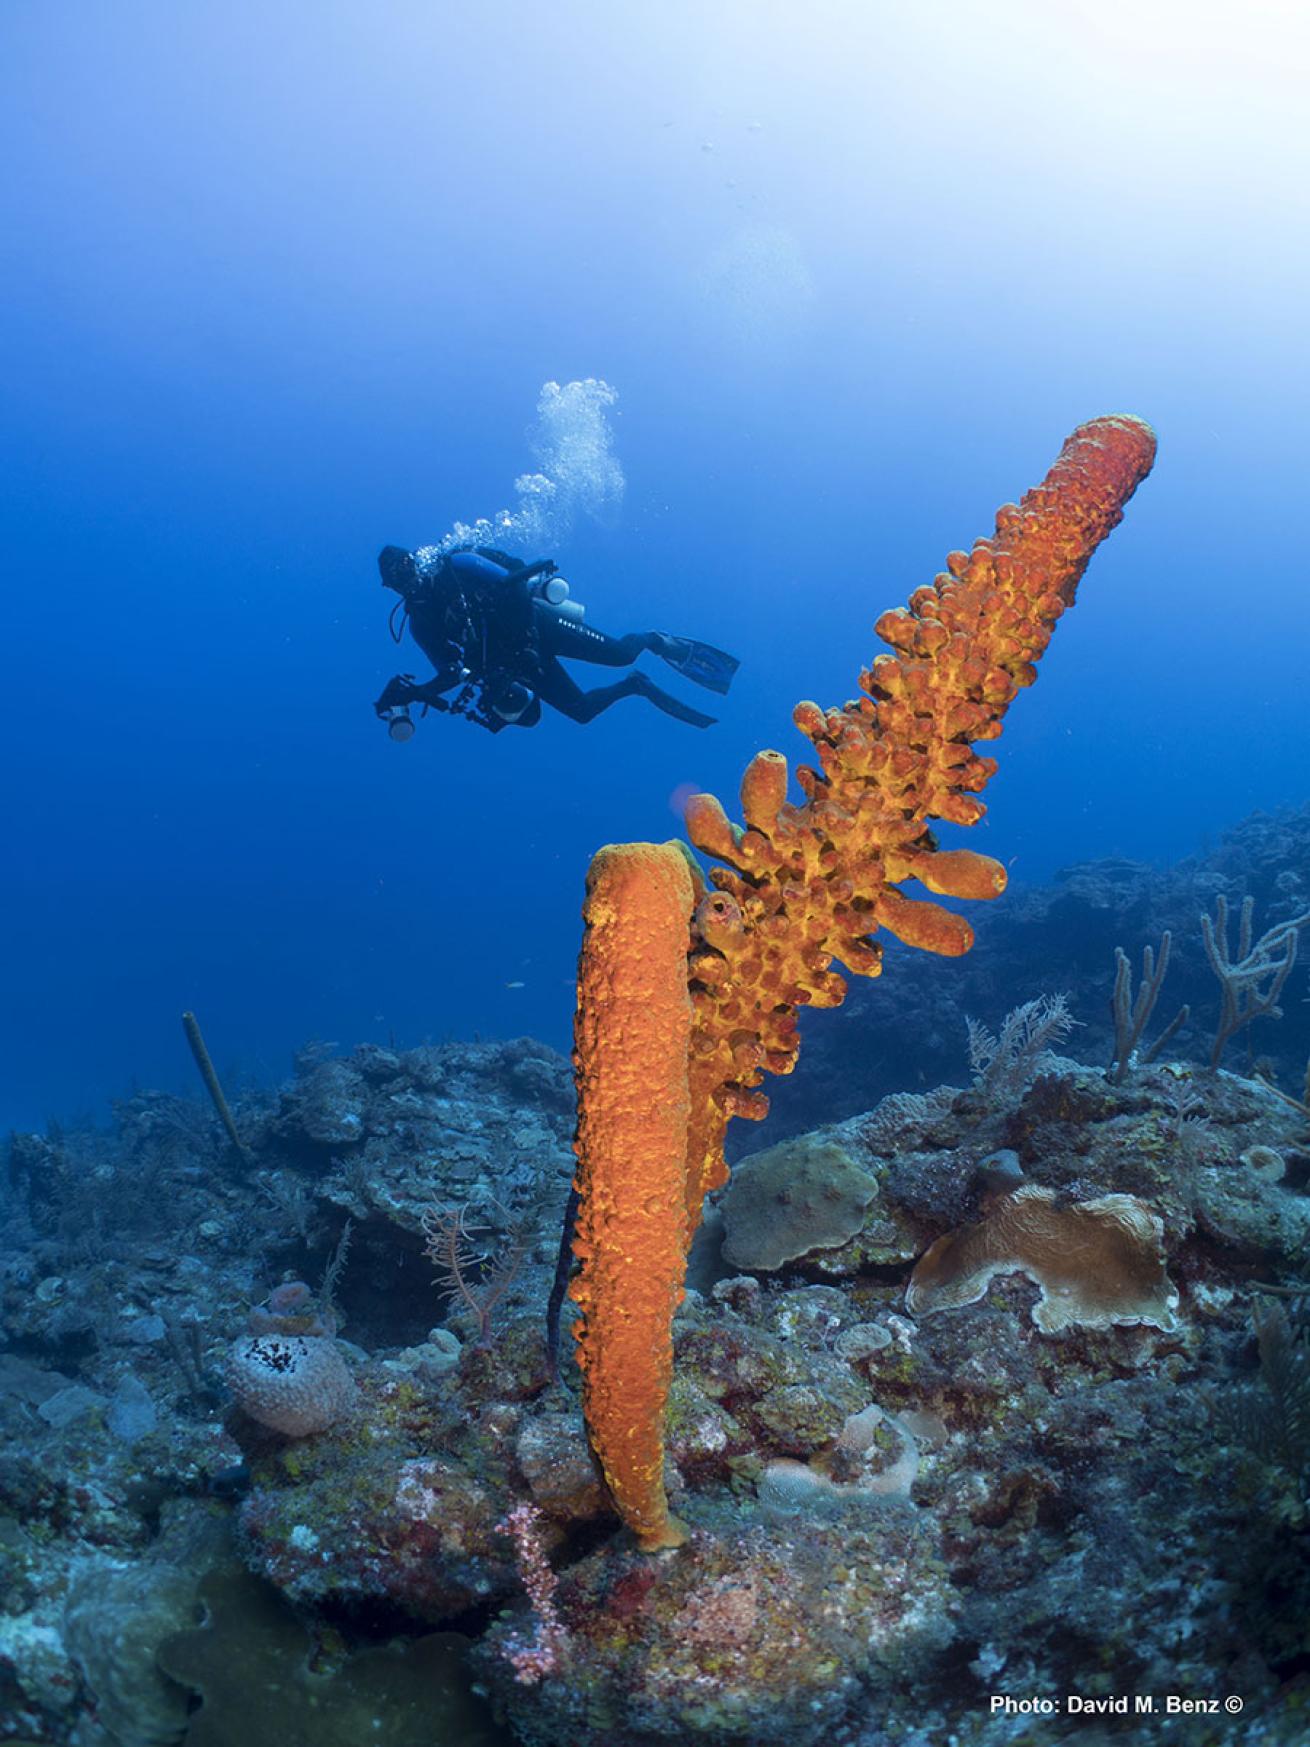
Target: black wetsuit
484, 622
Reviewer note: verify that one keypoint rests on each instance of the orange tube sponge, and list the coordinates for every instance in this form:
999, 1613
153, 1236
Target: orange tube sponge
632, 1032
809, 884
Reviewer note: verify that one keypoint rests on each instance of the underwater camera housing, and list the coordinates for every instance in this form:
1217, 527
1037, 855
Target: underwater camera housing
510, 700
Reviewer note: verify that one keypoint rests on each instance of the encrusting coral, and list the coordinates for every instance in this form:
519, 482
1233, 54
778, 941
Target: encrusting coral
804, 885
803, 1194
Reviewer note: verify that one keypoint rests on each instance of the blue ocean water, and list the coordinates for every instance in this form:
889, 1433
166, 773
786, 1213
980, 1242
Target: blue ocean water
283, 283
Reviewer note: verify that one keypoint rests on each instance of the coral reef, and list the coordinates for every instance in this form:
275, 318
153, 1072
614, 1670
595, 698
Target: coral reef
993, 1388
118, 1615
1273, 1416
760, 1633
892, 1516
1063, 936
131, 1261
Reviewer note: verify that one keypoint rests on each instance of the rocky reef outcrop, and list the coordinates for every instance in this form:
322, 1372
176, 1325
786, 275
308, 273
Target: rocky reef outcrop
901, 1504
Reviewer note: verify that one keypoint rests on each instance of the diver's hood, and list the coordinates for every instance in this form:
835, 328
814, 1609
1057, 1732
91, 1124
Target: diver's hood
399, 571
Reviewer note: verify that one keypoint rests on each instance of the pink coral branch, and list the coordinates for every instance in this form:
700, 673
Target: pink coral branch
535, 1657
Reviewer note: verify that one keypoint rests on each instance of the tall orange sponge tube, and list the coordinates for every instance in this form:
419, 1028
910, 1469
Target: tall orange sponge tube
801, 886
633, 1034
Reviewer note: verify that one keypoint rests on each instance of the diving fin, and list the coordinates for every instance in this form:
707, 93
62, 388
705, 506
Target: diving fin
642, 685
701, 663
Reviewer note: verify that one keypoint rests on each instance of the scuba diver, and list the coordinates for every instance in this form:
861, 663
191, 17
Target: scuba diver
496, 630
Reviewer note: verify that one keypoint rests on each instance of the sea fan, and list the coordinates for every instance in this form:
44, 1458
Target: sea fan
475, 1272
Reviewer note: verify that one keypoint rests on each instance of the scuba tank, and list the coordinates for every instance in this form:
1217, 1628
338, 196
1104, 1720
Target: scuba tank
553, 592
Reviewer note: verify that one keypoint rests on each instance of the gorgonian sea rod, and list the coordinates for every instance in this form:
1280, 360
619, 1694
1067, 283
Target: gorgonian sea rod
799, 888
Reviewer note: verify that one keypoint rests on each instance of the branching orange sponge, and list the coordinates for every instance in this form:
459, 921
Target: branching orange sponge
806, 885
662, 1067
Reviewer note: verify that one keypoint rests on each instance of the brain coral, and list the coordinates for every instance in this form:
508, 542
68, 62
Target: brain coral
295, 1384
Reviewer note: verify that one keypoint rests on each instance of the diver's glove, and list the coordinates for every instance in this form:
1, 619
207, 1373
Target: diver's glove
399, 690
405, 689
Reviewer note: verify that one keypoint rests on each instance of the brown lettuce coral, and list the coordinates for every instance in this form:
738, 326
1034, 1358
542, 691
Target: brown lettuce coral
1098, 1263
